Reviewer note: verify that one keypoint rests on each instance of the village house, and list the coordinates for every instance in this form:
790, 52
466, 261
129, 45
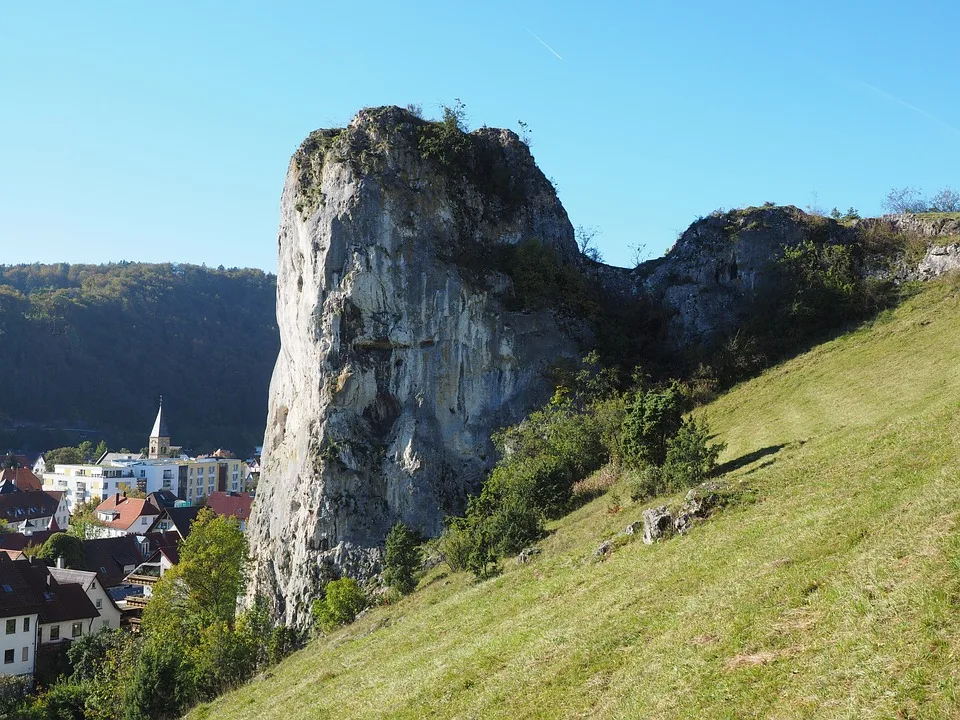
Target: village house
120, 515
106, 607
19, 612
232, 504
65, 611
175, 519
18, 479
42, 608
32, 510
112, 558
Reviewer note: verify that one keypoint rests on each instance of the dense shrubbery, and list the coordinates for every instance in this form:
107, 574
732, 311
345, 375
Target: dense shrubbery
342, 601
588, 424
564, 443
651, 421
541, 459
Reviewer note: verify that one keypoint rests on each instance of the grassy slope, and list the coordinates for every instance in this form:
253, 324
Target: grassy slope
836, 594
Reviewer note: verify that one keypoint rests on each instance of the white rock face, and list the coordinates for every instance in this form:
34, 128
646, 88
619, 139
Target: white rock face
396, 365
940, 259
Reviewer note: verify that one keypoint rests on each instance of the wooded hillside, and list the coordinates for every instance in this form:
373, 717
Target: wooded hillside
93, 347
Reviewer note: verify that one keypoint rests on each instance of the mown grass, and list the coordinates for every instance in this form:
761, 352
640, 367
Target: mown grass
834, 594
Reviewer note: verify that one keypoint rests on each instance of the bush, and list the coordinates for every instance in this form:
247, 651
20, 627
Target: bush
64, 701
542, 458
342, 601
14, 690
947, 200
646, 483
652, 419
162, 683
402, 558
456, 544
690, 458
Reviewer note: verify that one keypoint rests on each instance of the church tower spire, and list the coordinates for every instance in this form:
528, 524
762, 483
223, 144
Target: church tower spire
159, 445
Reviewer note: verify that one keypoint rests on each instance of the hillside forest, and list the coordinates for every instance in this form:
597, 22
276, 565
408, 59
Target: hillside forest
86, 351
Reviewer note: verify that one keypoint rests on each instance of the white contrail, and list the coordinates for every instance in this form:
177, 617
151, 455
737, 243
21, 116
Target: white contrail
539, 40
921, 111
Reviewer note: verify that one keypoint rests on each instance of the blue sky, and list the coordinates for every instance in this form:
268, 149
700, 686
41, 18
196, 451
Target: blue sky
162, 131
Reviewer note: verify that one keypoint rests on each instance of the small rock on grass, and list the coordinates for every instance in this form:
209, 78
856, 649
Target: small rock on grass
657, 523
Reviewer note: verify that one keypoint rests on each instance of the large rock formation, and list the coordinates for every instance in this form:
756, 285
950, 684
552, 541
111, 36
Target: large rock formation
407, 336
399, 356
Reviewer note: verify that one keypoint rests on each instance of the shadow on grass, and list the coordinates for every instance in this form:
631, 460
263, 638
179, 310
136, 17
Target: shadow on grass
745, 460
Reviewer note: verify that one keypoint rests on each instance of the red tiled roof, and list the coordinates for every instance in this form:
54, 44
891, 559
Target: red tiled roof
128, 510
23, 478
230, 504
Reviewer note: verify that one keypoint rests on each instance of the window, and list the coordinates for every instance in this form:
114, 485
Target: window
25, 654
77, 629
26, 624
8, 656
11, 626
55, 632
99, 603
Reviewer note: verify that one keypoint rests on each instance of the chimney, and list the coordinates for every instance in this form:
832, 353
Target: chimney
61, 565
116, 499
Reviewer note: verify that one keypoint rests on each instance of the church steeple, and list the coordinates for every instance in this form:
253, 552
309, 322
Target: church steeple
159, 437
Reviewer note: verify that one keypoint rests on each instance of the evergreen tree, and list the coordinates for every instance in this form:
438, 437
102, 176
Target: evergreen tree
403, 558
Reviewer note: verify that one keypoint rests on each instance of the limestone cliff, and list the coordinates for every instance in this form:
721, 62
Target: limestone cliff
408, 336
399, 356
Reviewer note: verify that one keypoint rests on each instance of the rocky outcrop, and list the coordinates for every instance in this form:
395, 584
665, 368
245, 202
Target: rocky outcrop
939, 260
657, 524
407, 339
399, 356
713, 278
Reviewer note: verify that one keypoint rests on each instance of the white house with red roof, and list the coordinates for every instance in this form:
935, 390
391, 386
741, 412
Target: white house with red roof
120, 515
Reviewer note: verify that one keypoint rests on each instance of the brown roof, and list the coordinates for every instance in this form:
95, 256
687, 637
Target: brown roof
111, 558
128, 511
57, 602
18, 506
230, 504
18, 541
16, 595
22, 478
